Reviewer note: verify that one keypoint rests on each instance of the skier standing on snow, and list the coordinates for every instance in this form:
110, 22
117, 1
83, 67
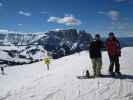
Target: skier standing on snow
114, 52
95, 55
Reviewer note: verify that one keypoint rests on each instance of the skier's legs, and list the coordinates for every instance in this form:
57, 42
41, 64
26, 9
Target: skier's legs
94, 65
99, 66
111, 66
47, 66
117, 65
3, 72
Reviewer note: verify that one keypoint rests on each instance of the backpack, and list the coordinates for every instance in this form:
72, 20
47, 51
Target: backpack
87, 74
113, 47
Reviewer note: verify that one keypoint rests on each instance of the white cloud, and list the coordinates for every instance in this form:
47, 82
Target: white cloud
101, 12
120, 0
43, 12
118, 25
3, 31
113, 14
24, 13
66, 20
1, 4
20, 24
130, 34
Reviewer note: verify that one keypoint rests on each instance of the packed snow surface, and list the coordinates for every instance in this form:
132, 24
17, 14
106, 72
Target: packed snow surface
34, 82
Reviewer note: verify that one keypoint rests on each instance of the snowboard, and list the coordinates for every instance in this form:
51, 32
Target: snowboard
103, 76
84, 77
91, 77
117, 76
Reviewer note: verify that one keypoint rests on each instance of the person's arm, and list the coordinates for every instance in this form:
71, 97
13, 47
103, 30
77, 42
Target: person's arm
91, 46
119, 45
119, 48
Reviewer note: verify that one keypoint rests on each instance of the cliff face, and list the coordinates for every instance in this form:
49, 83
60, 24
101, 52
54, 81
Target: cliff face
65, 42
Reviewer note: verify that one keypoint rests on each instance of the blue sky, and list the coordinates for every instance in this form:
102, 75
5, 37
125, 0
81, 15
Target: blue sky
95, 16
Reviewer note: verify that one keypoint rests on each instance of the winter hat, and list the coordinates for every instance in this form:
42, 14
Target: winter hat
97, 35
111, 34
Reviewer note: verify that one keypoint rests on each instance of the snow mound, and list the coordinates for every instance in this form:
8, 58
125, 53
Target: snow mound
34, 82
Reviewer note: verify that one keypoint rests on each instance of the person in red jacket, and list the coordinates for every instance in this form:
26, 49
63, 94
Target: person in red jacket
114, 52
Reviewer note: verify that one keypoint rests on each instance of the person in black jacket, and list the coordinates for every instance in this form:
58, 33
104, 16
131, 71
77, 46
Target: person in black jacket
96, 55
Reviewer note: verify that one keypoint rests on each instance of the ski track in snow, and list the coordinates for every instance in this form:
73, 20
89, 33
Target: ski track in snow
60, 83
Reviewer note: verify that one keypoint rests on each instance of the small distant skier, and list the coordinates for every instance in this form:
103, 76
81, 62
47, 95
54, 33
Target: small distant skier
47, 60
2, 69
95, 48
114, 52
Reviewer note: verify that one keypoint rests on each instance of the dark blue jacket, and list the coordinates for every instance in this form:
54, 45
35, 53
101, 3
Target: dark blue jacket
95, 49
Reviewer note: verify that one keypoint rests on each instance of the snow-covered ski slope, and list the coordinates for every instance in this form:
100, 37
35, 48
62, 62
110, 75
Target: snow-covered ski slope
34, 82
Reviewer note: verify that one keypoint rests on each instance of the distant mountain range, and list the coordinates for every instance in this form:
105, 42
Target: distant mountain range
19, 48
32, 47
18, 39
126, 41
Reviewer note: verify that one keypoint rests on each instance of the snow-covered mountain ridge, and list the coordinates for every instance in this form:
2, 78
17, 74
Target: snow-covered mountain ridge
18, 48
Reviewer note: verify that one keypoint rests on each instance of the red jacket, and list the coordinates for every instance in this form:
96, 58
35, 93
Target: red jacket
113, 47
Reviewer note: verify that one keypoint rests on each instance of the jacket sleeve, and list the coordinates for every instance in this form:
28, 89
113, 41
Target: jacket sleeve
90, 47
118, 44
